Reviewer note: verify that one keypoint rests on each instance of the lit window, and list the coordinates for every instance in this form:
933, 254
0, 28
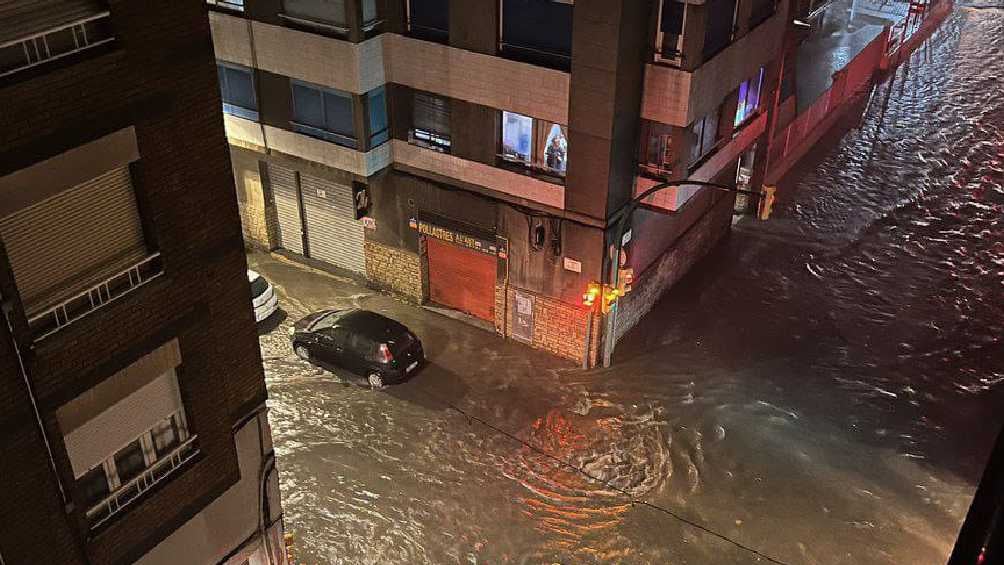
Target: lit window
237, 91
749, 98
232, 4
538, 144
323, 113
166, 435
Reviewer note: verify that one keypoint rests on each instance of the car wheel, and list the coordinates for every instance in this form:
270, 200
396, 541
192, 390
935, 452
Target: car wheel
375, 380
302, 352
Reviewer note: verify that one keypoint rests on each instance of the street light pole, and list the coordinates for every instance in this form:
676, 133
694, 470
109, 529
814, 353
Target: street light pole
623, 216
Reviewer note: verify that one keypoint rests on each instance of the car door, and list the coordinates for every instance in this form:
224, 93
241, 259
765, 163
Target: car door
359, 354
331, 342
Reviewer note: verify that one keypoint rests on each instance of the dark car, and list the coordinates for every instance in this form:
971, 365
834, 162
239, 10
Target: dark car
366, 343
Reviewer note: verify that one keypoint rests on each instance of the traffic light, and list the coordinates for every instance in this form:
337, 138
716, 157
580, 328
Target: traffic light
610, 295
767, 201
593, 292
625, 277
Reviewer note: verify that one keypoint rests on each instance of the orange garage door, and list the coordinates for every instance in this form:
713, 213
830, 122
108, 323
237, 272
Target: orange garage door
462, 279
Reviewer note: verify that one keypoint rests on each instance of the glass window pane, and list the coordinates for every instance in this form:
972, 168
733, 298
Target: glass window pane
93, 486
552, 152
517, 132
165, 437
369, 11
324, 11
541, 25
221, 73
432, 113
338, 114
129, 462
377, 106
429, 18
741, 108
240, 88
308, 108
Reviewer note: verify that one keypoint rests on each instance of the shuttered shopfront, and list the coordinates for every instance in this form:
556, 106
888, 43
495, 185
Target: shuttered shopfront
462, 278
74, 239
320, 214
286, 193
333, 234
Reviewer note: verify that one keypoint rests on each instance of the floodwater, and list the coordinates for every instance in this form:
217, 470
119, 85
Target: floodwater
821, 390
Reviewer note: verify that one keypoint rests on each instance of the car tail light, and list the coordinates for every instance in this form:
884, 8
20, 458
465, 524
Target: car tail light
385, 355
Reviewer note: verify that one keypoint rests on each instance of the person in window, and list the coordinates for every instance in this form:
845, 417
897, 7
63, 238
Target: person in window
557, 148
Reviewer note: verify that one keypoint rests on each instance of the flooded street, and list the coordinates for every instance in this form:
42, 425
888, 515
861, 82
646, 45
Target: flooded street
821, 390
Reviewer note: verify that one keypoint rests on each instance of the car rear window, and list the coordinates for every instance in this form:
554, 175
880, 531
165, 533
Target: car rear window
401, 343
258, 287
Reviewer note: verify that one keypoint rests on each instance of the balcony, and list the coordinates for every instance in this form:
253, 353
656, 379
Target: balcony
128, 493
29, 42
55, 318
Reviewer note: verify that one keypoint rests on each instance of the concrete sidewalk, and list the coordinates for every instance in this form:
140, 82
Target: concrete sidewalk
847, 26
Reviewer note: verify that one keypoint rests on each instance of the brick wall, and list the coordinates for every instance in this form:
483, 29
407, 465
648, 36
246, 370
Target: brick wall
396, 270
558, 327
694, 244
161, 78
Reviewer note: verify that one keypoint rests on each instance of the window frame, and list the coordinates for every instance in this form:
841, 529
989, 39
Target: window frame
337, 138
539, 133
323, 25
425, 32
744, 113
676, 58
427, 137
229, 107
233, 5
376, 138
535, 54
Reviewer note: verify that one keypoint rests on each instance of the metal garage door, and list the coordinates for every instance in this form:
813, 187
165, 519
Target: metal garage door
462, 279
333, 234
287, 206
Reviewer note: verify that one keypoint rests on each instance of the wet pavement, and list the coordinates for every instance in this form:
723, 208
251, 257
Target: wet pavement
822, 389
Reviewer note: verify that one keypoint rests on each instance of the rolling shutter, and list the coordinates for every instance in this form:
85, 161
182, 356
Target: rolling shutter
462, 279
333, 234
287, 206
69, 242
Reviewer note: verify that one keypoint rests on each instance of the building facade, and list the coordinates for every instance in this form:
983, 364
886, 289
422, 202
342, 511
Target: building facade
133, 399
474, 153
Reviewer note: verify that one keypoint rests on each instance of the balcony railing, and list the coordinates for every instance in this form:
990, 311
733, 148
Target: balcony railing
76, 307
57, 43
129, 492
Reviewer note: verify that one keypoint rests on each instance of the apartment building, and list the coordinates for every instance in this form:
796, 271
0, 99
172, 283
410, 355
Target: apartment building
132, 415
474, 153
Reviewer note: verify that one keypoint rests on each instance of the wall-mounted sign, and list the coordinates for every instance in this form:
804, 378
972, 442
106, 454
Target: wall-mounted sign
321, 193
522, 319
454, 237
626, 238
573, 265
369, 223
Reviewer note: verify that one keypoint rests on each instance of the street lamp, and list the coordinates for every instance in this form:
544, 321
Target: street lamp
624, 215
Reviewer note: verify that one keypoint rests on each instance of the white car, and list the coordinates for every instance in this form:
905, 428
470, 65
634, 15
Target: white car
263, 296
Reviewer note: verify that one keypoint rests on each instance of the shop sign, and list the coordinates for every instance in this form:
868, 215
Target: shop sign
573, 265
369, 223
454, 237
522, 328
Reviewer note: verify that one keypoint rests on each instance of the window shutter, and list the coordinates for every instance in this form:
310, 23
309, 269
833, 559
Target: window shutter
432, 114
67, 243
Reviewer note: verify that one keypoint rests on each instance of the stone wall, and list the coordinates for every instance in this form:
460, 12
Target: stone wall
694, 244
252, 207
558, 327
395, 270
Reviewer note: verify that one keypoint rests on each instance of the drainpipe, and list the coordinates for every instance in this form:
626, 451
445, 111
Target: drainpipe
8, 308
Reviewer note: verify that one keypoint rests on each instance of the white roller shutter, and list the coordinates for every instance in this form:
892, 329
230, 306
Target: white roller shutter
287, 206
333, 234
69, 242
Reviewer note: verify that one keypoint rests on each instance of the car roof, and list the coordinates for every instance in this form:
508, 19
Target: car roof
370, 324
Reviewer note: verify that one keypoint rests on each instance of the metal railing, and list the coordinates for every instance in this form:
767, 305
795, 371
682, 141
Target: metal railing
76, 307
132, 490
36, 49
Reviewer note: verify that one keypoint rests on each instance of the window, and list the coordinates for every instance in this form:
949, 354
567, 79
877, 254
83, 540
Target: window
232, 4
431, 119
749, 97
720, 29
672, 21
657, 151
323, 113
369, 13
363, 346
538, 144
705, 136
237, 91
60, 42
429, 19
538, 31
329, 14
376, 110
118, 480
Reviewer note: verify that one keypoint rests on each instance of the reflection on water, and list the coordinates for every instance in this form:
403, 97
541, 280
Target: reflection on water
823, 388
